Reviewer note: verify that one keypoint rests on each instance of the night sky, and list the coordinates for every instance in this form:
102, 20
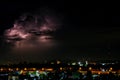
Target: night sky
87, 31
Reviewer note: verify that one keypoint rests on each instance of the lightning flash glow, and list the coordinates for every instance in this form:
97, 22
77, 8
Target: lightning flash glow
32, 31
32, 24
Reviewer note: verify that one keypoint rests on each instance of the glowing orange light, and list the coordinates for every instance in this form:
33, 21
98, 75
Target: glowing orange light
80, 68
25, 69
49, 69
43, 69
34, 69
90, 68
61, 68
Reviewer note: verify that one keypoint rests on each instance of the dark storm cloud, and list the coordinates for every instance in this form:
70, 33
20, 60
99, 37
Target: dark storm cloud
31, 36
33, 23
89, 31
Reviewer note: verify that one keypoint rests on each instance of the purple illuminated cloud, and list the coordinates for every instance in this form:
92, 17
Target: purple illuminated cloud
28, 24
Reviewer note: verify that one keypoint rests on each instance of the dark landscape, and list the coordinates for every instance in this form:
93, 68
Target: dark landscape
59, 40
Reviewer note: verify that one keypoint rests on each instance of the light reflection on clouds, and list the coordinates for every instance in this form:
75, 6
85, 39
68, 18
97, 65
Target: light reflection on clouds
36, 43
